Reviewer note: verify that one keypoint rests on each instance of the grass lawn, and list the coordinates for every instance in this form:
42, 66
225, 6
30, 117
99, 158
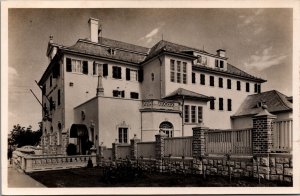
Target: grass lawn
98, 177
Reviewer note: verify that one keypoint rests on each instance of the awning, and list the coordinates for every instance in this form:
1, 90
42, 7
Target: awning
78, 130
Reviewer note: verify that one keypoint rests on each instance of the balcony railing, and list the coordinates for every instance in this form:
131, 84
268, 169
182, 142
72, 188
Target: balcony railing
153, 104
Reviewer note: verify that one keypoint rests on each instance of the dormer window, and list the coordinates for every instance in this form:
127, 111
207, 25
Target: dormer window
112, 51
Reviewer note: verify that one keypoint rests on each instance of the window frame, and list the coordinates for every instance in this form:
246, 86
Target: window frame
211, 81
186, 113
221, 104
220, 82
122, 132
202, 79
238, 85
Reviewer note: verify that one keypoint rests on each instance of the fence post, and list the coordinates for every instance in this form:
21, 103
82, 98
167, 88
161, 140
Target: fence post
115, 150
160, 145
133, 147
262, 132
199, 143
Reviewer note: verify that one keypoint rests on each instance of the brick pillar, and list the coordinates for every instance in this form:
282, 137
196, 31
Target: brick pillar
199, 146
262, 132
115, 150
160, 145
133, 147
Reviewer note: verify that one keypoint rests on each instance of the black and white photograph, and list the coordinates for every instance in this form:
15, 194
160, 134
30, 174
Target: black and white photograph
188, 99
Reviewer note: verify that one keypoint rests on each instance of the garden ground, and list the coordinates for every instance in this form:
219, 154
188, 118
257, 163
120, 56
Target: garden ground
100, 177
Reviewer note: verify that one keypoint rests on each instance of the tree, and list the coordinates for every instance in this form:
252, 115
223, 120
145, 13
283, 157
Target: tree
21, 136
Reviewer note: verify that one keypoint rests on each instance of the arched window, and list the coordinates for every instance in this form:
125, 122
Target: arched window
167, 128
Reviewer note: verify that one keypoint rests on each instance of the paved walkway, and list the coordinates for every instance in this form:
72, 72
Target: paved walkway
18, 179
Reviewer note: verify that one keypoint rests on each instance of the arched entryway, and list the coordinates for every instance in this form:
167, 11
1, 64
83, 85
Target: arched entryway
80, 132
167, 128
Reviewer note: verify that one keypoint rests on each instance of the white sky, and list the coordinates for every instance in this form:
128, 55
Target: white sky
258, 41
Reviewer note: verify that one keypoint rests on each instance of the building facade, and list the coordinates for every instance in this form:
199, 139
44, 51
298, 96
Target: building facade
105, 91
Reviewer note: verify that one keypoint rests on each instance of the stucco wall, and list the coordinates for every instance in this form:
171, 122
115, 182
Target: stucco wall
151, 89
152, 120
216, 119
84, 86
247, 122
118, 112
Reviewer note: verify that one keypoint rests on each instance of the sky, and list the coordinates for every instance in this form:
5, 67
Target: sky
258, 41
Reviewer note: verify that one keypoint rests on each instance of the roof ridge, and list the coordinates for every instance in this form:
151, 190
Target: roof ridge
280, 98
124, 42
185, 46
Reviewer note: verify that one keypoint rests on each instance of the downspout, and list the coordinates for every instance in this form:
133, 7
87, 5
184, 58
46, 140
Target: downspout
160, 62
182, 116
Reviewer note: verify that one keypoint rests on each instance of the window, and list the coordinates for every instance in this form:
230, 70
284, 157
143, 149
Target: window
140, 75
221, 64
97, 69
85, 67
134, 95
238, 85
211, 81
76, 66
123, 135
257, 88
220, 103
221, 82
167, 128
202, 79
44, 89
193, 113
180, 72
247, 87
50, 81
212, 104
184, 72
58, 97
187, 113
172, 70
131, 74
216, 63
117, 72
117, 93
229, 105
193, 78
105, 69
228, 84
200, 114
152, 76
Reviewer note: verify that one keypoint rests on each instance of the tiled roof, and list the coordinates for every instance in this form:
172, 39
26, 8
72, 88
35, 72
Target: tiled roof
171, 47
123, 45
135, 55
275, 101
231, 70
180, 92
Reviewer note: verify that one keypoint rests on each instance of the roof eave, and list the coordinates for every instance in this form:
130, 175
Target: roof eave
227, 73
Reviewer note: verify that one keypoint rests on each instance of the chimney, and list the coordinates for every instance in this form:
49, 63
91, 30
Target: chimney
93, 23
51, 39
221, 53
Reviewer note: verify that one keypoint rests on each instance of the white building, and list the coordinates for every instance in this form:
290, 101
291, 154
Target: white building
104, 90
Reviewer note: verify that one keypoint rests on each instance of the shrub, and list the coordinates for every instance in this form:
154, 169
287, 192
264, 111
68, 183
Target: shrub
71, 149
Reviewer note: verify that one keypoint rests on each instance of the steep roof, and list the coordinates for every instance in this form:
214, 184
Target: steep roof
170, 47
181, 92
275, 101
123, 51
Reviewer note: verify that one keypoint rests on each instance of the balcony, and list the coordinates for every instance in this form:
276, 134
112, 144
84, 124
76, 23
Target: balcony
160, 105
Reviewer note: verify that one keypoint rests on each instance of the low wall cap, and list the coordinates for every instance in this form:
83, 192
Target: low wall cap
264, 112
